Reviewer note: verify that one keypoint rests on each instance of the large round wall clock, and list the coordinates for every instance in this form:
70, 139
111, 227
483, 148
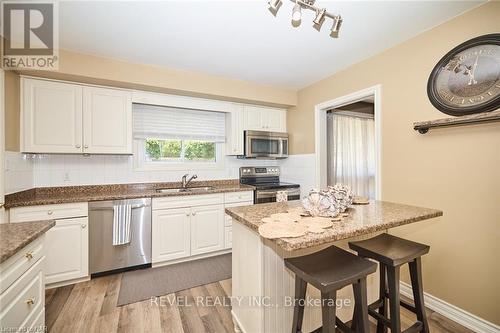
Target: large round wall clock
467, 79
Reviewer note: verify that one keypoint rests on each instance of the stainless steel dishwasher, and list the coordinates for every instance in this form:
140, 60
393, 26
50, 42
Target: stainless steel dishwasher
106, 257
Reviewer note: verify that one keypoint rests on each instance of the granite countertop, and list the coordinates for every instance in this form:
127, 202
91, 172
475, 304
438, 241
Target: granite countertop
15, 236
68, 194
363, 219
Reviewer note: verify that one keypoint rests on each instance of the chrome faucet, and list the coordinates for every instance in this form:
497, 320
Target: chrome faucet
185, 181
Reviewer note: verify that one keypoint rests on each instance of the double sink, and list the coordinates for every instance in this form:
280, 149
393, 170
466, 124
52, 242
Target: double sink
193, 189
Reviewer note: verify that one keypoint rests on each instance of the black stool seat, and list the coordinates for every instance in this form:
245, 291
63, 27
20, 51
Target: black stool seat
390, 250
331, 268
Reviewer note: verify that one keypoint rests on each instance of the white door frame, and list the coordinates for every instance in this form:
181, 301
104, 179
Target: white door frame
320, 122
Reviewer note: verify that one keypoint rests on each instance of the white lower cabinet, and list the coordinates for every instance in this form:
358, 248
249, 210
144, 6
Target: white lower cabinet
67, 243
67, 250
193, 226
22, 297
207, 229
171, 234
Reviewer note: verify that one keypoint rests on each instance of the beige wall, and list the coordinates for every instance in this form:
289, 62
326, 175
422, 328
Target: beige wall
455, 169
119, 73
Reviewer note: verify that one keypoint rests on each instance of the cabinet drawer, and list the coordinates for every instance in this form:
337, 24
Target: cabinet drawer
48, 212
238, 196
16, 265
228, 237
22, 301
187, 201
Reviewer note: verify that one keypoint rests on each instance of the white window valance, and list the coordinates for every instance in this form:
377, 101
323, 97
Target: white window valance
161, 122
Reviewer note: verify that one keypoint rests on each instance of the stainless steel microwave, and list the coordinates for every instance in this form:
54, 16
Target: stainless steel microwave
261, 144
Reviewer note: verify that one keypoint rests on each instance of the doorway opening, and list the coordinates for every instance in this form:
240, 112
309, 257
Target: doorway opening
348, 142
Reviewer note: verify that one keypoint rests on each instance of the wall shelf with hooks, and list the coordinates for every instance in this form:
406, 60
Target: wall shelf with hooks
424, 126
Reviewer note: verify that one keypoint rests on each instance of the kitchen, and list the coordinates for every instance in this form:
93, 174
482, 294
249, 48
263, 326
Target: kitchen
128, 180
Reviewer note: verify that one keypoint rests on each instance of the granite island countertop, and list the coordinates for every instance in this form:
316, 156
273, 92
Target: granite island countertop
15, 236
69, 194
362, 219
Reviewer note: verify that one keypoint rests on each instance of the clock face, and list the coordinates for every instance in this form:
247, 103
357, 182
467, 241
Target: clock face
467, 80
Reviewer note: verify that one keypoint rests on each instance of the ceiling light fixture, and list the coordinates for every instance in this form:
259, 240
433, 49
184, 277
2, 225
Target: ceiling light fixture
319, 19
274, 6
337, 22
296, 12
321, 14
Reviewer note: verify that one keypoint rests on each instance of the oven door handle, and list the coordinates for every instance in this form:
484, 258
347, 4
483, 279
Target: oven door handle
267, 194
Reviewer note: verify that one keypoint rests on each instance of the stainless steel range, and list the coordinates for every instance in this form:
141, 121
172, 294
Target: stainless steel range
267, 184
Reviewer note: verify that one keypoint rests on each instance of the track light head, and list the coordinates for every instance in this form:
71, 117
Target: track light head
319, 19
296, 13
337, 22
274, 6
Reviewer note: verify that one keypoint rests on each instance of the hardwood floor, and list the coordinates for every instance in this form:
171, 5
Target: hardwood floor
91, 307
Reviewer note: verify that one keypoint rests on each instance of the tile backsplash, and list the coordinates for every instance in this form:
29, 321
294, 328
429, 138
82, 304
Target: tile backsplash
19, 172
24, 171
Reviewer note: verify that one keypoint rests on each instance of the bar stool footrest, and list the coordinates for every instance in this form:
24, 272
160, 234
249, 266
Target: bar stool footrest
415, 328
379, 317
408, 306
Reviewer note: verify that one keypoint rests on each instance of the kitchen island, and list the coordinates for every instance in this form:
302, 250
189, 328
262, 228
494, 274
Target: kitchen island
263, 288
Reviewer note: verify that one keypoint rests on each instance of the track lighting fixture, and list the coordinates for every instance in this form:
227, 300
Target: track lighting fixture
337, 22
321, 14
274, 6
296, 12
319, 19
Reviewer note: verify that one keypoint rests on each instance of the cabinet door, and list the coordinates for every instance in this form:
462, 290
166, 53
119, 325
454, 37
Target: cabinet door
67, 250
274, 120
171, 234
207, 229
253, 118
234, 131
51, 117
107, 121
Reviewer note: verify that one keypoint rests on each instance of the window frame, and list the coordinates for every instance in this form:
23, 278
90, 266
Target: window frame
141, 164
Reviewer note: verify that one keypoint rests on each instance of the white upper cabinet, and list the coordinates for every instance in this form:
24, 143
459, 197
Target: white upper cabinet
60, 117
259, 118
234, 131
107, 120
51, 117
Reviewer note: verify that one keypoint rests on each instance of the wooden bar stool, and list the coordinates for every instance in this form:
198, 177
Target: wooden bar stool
330, 270
392, 252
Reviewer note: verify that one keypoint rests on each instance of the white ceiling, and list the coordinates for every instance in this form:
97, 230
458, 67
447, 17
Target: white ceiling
241, 39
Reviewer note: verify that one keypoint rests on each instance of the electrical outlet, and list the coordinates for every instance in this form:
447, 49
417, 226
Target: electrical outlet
66, 177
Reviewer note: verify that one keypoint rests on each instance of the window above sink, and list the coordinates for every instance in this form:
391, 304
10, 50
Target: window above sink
168, 138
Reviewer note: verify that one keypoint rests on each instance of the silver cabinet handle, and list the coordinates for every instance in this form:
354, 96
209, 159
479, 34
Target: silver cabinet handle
85, 146
1, 205
194, 214
84, 226
78, 146
50, 212
187, 214
29, 255
30, 301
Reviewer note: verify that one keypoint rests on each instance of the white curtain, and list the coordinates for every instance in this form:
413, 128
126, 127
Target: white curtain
351, 152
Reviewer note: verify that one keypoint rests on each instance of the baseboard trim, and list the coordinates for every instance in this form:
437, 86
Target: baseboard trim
452, 312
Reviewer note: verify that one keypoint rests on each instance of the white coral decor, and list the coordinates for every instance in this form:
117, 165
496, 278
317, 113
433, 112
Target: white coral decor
319, 203
341, 195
